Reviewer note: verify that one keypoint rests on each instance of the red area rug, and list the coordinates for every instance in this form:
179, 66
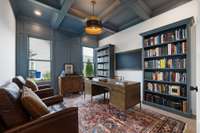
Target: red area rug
95, 117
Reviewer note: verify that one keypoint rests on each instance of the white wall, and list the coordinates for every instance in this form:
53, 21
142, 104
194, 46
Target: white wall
130, 38
197, 69
7, 41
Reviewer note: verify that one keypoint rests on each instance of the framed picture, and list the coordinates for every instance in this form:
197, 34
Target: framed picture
69, 69
175, 90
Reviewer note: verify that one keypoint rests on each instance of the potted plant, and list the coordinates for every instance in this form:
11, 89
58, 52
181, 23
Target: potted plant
88, 70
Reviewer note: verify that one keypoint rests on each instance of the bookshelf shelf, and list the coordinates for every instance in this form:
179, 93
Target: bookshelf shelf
165, 69
164, 82
104, 61
102, 55
168, 109
166, 58
165, 43
181, 97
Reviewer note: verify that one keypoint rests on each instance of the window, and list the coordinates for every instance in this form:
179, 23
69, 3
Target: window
39, 59
88, 54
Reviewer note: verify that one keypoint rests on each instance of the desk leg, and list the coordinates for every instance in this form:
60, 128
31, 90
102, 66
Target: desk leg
108, 107
91, 98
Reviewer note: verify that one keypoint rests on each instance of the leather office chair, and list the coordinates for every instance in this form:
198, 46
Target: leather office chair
14, 119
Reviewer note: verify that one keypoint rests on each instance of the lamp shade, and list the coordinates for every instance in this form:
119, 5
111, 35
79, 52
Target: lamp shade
93, 26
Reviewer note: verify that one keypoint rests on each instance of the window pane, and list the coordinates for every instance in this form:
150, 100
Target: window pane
39, 70
39, 49
87, 54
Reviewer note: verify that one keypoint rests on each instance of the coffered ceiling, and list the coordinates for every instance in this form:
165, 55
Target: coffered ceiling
116, 15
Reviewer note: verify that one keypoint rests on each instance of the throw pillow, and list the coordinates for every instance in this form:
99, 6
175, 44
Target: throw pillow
31, 84
33, 104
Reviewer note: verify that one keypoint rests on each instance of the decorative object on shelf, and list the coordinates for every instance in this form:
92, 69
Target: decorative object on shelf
69, 69
93, 24
174, 90
104, 61
88, 70
167, 64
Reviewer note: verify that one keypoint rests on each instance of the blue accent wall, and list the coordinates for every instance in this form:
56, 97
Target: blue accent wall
66, 47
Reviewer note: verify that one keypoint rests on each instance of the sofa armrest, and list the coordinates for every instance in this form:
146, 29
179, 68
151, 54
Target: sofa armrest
53, 100
65, 121
45, 92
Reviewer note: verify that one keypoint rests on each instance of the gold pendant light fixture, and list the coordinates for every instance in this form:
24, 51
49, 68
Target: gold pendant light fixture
93, 24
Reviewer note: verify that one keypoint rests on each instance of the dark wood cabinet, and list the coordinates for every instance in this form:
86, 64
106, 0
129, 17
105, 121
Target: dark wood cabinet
70, 84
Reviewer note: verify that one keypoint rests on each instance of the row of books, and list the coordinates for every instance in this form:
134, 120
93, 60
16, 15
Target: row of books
178, 104
174, 90
176, 35
103, 52
102, 73
166, 76
103, 66
102, 59
165, 63
170, 49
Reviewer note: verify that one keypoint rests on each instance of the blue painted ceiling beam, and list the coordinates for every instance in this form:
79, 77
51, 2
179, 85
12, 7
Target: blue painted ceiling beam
44, 5
140, 8
133, 22
59, 18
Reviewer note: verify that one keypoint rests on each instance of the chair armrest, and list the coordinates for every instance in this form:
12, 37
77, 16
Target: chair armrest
44, 86
65, 121
53, 100
45, 93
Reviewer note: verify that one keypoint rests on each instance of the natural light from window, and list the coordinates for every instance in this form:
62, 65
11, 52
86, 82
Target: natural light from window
39, 59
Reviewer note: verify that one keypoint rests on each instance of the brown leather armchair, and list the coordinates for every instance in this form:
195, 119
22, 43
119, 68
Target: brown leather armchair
42, 91
14, 119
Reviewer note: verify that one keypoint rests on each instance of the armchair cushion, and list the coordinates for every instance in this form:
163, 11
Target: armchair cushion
12, 112
33, 104
32, 85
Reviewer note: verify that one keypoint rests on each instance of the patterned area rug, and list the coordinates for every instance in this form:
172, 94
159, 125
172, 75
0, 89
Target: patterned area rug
96, 117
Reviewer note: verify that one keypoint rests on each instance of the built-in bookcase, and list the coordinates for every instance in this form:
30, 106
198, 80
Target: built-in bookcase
105, 61
167, 67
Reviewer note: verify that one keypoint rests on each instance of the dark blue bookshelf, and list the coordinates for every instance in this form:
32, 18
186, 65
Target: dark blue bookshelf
179, 35
101, 53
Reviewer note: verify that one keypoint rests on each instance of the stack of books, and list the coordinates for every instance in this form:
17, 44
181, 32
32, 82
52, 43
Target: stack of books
178, 105
165, 63
176, 35
179, 77
169, 49
174, 90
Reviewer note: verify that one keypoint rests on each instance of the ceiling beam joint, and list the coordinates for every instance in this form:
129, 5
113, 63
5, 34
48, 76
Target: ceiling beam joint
63, 12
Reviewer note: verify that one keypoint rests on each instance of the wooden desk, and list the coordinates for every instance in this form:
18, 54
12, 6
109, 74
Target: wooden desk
123, 95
